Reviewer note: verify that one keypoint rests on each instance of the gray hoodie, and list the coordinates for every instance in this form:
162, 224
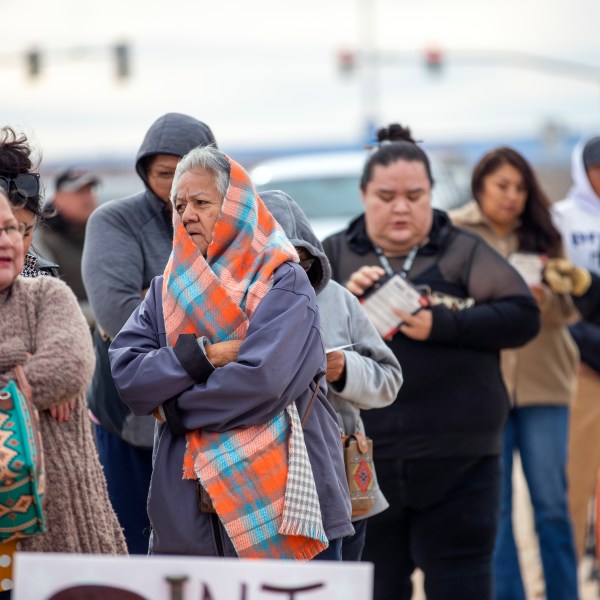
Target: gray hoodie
127, 244
373, 375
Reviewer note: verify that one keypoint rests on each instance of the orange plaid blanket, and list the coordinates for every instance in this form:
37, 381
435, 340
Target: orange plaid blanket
259, 478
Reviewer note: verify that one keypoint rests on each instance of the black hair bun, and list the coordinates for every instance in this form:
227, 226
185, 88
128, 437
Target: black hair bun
15, 153
395, 133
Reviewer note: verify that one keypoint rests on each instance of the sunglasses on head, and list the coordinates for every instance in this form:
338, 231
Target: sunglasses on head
21, 188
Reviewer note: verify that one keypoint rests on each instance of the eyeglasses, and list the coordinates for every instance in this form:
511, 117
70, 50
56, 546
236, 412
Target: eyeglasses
15, 233
21, 188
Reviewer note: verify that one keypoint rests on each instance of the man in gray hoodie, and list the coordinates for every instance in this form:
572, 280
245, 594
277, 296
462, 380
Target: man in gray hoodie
127, 243
362, 372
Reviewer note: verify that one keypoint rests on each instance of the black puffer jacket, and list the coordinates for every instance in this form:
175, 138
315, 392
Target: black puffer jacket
586, 332
453, 402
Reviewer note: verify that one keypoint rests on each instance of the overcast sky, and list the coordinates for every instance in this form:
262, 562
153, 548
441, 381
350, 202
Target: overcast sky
264, 73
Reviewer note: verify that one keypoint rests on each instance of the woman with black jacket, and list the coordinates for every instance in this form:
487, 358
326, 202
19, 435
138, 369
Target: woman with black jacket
437, 447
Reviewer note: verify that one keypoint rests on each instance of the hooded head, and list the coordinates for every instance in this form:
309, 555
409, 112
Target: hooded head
585, 170
296, 226
591, 153
172, 135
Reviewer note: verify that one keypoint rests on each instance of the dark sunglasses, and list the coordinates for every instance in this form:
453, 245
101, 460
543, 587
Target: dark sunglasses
21, 187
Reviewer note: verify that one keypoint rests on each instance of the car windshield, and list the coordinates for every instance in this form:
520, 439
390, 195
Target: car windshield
339, 196
322, 196
327, 186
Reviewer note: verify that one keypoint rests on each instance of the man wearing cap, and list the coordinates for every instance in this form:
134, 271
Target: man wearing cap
62, 236
578, 219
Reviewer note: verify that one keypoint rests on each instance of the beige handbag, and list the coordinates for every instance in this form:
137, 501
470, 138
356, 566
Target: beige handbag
360, 472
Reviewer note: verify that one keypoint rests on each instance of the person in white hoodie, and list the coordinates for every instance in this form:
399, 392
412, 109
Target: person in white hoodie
578, 219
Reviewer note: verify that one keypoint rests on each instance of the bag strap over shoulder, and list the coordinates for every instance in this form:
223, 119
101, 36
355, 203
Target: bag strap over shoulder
22, 382
312, 400
362, 441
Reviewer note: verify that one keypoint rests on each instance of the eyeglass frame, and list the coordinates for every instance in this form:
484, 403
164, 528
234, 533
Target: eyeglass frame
14, 192
19, 228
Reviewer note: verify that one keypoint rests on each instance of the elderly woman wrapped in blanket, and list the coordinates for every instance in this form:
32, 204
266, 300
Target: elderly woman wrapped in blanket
226, 351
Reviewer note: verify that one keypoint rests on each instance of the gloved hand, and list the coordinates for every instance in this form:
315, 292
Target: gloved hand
564, 277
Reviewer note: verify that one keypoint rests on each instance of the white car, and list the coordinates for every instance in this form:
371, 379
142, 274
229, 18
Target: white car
326, 185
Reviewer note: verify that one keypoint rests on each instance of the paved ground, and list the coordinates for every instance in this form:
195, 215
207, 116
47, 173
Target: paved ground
529, 552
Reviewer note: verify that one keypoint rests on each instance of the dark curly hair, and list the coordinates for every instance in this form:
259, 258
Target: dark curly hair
16, 157
537, 232
395, 143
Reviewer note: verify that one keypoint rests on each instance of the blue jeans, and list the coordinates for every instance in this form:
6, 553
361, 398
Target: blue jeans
539, 433
332, 552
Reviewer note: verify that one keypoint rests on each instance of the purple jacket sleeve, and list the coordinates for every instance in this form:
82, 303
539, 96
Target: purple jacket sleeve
276, 362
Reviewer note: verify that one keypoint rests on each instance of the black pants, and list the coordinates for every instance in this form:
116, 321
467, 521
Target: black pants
127, 469
442, 518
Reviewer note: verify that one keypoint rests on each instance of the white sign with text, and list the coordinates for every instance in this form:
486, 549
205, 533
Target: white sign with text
71, 577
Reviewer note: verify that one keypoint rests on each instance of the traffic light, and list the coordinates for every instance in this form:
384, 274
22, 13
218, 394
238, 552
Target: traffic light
434, 60
33, 63
122, 61
346, 60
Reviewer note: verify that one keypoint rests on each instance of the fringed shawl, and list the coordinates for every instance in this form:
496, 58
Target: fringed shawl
259, 478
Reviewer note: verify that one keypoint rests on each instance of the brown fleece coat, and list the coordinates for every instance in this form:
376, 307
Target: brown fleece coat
40, 317
544, 371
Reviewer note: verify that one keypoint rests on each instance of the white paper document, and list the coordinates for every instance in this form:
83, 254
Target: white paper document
530, 266
394, 293
328, 350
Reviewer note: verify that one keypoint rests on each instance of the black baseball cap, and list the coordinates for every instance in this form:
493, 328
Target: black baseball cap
74, 178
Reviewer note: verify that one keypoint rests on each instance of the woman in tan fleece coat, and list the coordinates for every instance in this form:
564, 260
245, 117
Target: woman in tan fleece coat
511, 212
43, 329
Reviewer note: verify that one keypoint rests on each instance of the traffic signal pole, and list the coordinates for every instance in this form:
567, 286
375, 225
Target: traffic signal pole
371, 95
435, 61
36, 59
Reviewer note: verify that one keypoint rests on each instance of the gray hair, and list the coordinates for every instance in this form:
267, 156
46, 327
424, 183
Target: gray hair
204, 157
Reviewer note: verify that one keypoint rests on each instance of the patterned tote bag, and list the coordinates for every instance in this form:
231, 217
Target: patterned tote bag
22, 479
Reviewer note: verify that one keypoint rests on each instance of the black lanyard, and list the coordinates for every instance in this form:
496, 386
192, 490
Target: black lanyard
406, 265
